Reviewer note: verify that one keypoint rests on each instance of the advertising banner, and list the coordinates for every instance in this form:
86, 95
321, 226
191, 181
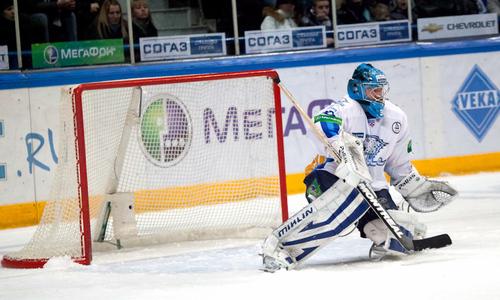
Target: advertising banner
457, 26
4, 58
373, 33
257, 41
182, 46
64, 54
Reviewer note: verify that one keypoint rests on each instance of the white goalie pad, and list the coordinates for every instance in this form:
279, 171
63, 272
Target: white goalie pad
425, 195
384, 241
330, 215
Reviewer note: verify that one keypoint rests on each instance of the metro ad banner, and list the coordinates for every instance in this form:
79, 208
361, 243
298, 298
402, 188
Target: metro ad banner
257, 41
457, 26
64, 54
373, 33
182, 46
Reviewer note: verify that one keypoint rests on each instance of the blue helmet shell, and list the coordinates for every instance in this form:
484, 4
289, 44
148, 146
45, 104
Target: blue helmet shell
367, 76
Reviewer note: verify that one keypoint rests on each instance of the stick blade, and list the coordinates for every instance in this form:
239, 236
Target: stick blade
434, 242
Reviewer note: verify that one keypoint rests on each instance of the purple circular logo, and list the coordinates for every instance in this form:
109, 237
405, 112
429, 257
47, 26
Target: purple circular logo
166, 130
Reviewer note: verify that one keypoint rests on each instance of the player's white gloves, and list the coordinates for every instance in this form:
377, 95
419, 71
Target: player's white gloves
425, 195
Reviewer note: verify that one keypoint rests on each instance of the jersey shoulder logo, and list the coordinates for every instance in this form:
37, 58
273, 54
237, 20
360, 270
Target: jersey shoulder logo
477, 103
396, 127
372, 145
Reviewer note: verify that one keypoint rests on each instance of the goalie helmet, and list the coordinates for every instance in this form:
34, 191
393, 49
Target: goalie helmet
369, 86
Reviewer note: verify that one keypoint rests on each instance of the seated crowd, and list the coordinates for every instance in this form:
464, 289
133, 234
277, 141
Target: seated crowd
293, 13
43, 21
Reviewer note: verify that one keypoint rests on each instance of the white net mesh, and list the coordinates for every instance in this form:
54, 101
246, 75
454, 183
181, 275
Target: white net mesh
201, 161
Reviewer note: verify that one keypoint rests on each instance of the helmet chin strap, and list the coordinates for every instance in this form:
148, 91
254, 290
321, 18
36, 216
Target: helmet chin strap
373, 110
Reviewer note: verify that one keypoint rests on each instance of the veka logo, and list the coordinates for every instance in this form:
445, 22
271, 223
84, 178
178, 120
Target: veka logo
477, 103
51, 54
166, 130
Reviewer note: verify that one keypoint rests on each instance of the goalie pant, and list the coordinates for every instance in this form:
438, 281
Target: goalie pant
334, 207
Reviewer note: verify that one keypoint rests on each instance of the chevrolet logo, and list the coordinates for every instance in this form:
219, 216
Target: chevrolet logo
431, 28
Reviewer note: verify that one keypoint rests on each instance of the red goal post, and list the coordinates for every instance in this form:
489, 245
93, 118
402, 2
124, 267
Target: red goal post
163, 159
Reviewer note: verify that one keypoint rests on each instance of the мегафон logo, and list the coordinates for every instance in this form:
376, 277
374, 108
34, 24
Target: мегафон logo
166, 130
477, 103
50, 54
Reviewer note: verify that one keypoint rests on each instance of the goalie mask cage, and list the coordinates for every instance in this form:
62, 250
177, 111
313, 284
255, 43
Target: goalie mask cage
160, 160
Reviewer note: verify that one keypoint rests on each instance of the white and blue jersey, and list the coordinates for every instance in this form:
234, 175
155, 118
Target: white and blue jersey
386, 141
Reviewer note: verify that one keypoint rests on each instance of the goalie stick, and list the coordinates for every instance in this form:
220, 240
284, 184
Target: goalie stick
367, 192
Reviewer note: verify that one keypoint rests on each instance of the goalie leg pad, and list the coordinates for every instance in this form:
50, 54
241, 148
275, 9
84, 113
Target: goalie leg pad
274, 257
331, 214
384, 243
330, 222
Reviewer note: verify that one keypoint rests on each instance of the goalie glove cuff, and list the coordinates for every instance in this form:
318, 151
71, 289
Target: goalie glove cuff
424, 195
410, 183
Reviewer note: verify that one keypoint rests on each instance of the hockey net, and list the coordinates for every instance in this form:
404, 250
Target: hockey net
161, 160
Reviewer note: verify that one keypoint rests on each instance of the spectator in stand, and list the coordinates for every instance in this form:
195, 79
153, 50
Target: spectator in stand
281, 18
301, 9
493, 6
86, 13
443, 8
353, 12
319, 15
109, 23
381, 12
250, 14
57, 17
142, 23
270, 3
466, 7
8, 33
482, 6
400, 10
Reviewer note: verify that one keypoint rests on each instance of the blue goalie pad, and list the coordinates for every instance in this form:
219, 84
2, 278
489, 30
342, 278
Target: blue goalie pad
330, 223
330, 215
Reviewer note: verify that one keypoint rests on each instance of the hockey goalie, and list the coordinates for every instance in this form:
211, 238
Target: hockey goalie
371, 135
